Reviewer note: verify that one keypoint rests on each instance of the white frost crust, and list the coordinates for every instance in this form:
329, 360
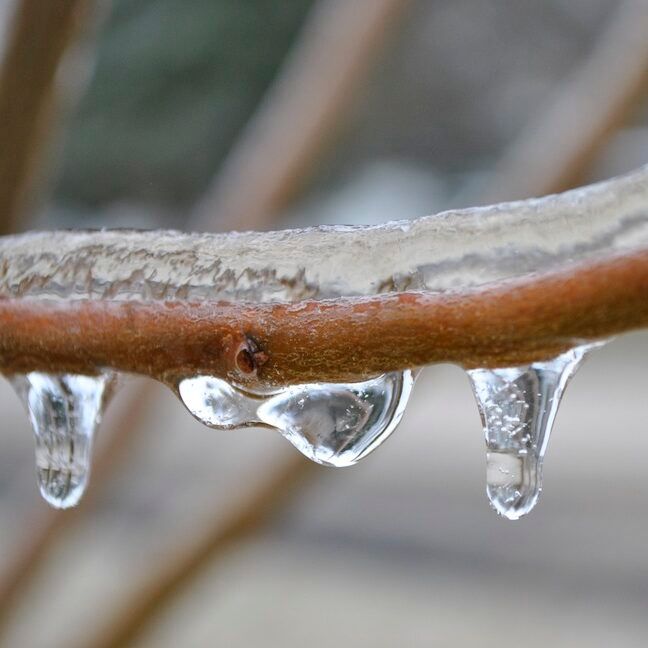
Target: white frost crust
453, 250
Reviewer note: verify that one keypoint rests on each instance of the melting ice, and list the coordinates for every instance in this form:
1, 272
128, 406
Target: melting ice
65, 411
518, 406
334, 424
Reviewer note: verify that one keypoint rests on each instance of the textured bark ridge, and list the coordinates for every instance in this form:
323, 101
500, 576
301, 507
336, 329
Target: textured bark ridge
490, 286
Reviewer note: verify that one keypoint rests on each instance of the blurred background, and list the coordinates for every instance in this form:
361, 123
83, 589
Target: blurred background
261, 115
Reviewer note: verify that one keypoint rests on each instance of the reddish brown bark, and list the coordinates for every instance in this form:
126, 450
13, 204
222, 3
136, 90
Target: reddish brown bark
332, 340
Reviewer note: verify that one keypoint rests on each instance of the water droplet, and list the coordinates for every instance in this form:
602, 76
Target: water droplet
339, 424
518, 406
216, 403
335, 424
65, 411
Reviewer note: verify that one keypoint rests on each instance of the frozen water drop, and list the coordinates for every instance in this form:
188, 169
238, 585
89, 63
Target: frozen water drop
216, 403
65, 411
337, 424
518, 406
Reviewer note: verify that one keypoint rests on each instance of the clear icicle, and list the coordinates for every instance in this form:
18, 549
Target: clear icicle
518, 406
334, 424
65, 411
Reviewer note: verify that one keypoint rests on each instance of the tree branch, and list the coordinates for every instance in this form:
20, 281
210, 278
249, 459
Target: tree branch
300, 114
258, 507
42, 32
596, 100
481, 287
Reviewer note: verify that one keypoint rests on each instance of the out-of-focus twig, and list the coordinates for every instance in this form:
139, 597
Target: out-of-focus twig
337, 78
272, 159
41, 33
555, 151
249, 515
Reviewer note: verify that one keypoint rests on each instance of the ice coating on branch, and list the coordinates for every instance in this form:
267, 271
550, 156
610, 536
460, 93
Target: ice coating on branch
65, 412
335, 424
518, 406
453, 250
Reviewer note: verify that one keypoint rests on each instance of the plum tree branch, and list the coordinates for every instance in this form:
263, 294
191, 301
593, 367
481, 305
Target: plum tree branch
482, 287
42, 33
596, 100
301, 114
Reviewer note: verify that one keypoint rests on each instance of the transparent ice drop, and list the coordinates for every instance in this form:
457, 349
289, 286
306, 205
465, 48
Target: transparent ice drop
65, 411
339, 424
334, 424
518, 406
216, 403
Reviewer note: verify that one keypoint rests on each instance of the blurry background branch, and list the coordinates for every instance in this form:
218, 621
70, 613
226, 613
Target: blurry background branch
251, 512
40, 35
40, 38
595, 102
300, 115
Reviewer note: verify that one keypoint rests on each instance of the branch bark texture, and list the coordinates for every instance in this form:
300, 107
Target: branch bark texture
484, 287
